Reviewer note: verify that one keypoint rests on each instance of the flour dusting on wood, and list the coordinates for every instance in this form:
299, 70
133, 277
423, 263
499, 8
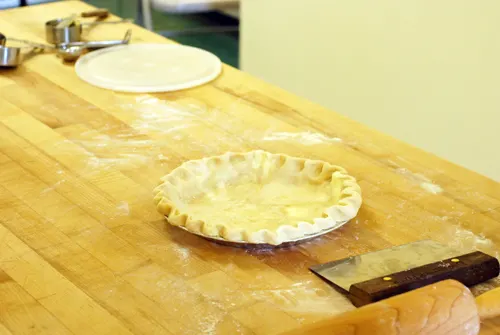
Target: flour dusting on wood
425, 183
306, 137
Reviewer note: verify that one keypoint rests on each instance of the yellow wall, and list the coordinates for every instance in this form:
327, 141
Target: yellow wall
425, 71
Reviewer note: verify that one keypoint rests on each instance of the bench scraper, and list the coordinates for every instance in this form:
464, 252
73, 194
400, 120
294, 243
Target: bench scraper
382, 274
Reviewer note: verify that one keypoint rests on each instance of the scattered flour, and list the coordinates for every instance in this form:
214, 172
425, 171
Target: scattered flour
431, 187
425, 183
307, 138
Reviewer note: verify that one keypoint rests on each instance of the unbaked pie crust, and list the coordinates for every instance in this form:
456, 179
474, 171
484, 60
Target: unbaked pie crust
258, 197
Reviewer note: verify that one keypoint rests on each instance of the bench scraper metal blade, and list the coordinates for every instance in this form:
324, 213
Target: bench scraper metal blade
382, 274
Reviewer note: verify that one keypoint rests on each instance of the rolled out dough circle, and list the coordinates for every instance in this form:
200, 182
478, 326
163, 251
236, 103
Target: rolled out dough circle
148, 67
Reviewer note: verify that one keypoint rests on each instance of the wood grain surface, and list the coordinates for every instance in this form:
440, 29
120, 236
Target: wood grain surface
83, 250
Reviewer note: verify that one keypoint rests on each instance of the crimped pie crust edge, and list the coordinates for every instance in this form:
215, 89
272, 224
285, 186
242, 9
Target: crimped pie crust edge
338, 214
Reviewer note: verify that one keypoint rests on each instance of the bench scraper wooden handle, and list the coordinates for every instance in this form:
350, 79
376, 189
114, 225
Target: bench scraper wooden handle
469, 269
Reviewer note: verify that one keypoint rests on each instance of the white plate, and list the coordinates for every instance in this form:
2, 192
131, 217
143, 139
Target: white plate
145, 68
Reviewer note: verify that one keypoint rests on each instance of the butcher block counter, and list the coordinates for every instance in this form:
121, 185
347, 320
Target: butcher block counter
84, 251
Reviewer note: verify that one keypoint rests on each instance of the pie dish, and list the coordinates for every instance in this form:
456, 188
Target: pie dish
258, 197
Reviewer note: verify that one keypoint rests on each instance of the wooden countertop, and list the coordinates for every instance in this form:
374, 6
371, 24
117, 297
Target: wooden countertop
84, 251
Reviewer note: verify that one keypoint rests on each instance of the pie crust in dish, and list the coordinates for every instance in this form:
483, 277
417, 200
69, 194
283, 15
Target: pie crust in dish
258, 197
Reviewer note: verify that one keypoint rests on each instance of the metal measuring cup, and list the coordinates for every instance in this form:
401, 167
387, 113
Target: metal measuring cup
12, 56
67, 51
71, 32
9, 56
71, 51
66, 26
